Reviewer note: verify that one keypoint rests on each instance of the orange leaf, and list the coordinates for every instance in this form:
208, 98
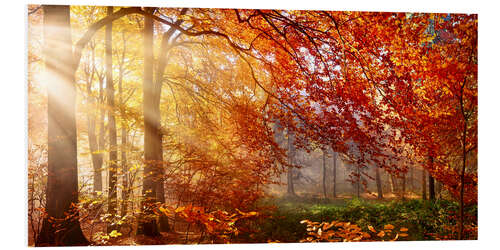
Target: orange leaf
381, 234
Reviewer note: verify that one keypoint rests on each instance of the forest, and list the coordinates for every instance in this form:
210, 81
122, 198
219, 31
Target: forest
156, 126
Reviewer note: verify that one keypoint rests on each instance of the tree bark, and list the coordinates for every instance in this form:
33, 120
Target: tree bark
432, 192
378, 181
464, 161
102, 134
91, 126
403, 190
148, 225
392, 183
358, 182
110, 96
62, 180
334, 157
324, 174
156, 116
123, 136
291, 161
424, 185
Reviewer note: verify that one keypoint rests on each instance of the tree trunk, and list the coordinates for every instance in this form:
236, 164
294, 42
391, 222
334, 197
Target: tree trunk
464, 161
291, 161
91, 126
125, 173
424, 185
334, 157
156, 117
324, 174
148, 225
62, 180
110, 96
380, 194
102, 134
358, 182
124, 143
432, 194
392, 183
403, 191
412, 186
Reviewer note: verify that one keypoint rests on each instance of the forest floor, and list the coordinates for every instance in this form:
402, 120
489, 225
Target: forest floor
279, 220
425, 220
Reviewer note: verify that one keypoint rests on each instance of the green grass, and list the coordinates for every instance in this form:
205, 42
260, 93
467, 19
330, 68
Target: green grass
422, 218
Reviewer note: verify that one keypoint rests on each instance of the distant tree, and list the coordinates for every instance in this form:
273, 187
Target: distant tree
334, 159
110, 96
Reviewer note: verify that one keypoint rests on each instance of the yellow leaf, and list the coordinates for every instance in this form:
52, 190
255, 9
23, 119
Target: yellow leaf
114, 233
395, 238
371, 229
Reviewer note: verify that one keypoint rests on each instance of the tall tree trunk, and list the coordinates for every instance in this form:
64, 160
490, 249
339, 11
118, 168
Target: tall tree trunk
124, 163
148, 225
432, 194
412, 186
403, 190
291, 160
424, 185
334, 157
91, 126
156, 117
378, 181
464, 161
110, 96
62, 179
392, 183
102, 134
124, 135
324, 173
358, 182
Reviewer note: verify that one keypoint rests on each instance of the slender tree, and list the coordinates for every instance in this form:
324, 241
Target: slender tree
291, 160
424, 185
156, 114
91, 124
324, 173
334, 159
378, 181
432, 193
110, 96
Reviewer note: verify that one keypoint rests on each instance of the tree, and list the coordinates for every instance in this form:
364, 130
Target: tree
152, 141
62, 182
334, 159
110, 96
378, 181
432, 193
324, 173
291, 161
